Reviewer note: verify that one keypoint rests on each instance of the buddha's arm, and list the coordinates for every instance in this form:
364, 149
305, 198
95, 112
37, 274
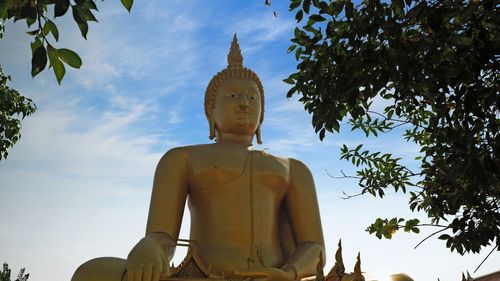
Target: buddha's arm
302, 206
168, 199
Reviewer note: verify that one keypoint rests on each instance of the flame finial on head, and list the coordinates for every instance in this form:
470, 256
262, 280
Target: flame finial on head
234, 58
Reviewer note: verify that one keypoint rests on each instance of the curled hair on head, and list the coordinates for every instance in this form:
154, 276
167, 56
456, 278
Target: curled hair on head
229, 74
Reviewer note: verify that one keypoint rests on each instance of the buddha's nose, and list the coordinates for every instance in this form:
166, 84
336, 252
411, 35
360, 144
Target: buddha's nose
243, 103
243, 107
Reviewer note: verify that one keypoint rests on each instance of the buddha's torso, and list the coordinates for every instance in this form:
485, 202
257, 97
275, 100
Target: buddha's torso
235, 196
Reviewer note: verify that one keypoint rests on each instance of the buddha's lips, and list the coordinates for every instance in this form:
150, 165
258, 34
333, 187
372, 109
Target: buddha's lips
243, 114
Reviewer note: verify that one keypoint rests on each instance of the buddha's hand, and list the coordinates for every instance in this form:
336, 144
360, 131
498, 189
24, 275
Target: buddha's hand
267, 274
147, 261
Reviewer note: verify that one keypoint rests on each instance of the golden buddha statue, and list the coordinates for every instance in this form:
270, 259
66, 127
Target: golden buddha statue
254, 216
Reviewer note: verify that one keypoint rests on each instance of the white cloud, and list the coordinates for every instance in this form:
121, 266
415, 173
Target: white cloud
262, 27
77, 177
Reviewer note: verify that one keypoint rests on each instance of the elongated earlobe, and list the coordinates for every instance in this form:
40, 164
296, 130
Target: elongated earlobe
257, 135
211, 125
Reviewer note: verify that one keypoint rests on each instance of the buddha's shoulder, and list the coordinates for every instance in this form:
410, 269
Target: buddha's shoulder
286, 161
273, 158
186, 151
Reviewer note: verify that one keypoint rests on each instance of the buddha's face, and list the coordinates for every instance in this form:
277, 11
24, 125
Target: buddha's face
237, 107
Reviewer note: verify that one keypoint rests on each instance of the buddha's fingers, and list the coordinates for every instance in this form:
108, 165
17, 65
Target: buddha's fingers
130, 274
165, 267
156, 274
252, 273
138, 273
147, 272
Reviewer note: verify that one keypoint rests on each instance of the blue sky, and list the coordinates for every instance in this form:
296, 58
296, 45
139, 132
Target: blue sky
77, 185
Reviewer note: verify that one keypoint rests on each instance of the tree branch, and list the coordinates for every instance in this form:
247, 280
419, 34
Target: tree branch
439, 231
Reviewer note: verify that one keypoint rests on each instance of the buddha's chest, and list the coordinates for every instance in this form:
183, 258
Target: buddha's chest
223, 170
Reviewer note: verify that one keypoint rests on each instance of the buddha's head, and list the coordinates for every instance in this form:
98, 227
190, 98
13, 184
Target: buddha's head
234, 99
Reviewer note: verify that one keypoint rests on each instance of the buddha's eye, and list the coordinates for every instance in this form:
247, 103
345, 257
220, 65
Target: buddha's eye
252, 97
233, 95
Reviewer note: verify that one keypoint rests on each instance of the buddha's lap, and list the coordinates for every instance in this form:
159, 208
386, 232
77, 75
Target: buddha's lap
101, 269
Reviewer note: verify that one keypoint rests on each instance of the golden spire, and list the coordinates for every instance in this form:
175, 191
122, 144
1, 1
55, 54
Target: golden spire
338, 270
339, 262
234, 58
357, 270
319, 268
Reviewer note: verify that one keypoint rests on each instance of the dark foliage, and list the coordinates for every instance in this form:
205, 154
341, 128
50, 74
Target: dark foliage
5, 274
437, 65
13, 108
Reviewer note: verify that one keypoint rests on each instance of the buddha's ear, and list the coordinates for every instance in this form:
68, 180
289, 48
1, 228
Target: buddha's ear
211, 126
257, 135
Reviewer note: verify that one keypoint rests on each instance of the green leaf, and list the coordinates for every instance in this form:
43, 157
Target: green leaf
294, 4
398, 3
39, 60
61, 7
349, 10
444, 237
297, 53
4, 5
70, 57
338, 6
299, 15
322, 134
30, 21
80, 20
289, 80
306, 5
56, 64
291, 48
45, 29
51, 27
317, 18
35, 44
86, 13
465, 41
90, 4
127, 4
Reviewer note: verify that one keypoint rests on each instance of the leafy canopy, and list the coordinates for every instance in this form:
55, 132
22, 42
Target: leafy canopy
436, 63
35, 13
13, 108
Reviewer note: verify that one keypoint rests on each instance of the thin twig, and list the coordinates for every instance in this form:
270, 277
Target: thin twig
344, 176
385, 117
486, 258
398, 125
348, 196
430, 224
